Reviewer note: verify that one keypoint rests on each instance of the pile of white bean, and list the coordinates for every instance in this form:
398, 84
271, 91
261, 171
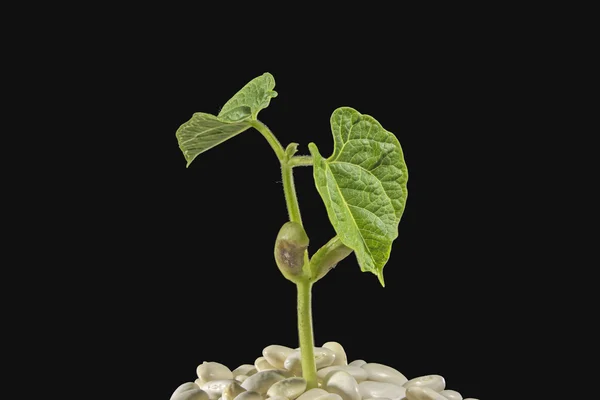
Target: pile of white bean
277, 375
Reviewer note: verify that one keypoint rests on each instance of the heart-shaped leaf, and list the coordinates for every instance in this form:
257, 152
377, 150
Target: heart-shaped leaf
363, 186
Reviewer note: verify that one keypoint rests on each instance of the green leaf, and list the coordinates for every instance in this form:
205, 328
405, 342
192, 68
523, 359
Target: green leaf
363, 186
252, 98
205, 131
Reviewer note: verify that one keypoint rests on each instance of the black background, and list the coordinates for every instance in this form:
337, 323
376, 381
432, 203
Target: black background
134, 269
175, 266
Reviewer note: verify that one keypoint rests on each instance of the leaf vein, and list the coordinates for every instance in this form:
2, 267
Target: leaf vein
351, 215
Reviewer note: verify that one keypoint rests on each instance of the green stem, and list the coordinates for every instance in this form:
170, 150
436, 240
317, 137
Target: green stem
286, 171
305, 330
266, 132
289, 190
301, 161
305, 333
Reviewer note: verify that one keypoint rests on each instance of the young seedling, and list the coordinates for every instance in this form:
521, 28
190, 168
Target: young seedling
362, 184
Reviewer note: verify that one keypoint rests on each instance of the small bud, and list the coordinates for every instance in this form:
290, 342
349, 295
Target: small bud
291, 150
290, 247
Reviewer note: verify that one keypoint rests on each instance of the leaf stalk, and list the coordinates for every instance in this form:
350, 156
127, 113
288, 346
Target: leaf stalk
271, 139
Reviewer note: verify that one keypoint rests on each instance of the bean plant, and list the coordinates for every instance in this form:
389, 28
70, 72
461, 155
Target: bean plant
362, 184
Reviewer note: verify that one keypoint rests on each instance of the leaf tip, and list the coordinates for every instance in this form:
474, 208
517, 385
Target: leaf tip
380, 277
188, 161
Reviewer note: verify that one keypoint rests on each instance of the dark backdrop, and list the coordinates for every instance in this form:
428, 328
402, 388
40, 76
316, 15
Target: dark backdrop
143, 269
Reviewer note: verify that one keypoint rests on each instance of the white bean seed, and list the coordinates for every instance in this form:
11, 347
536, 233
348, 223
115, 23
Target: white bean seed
338, 350
343, 384
435, 382
184, 387
249, 395
422, 393
285, 373
262, 381
244, 369
383, 373
262, 364
276, 354
293, 363
241, 378
451, 395
194, 394
381, 389
214, 389
189, 391
357, 363
213, 371
232, 391
290, 388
